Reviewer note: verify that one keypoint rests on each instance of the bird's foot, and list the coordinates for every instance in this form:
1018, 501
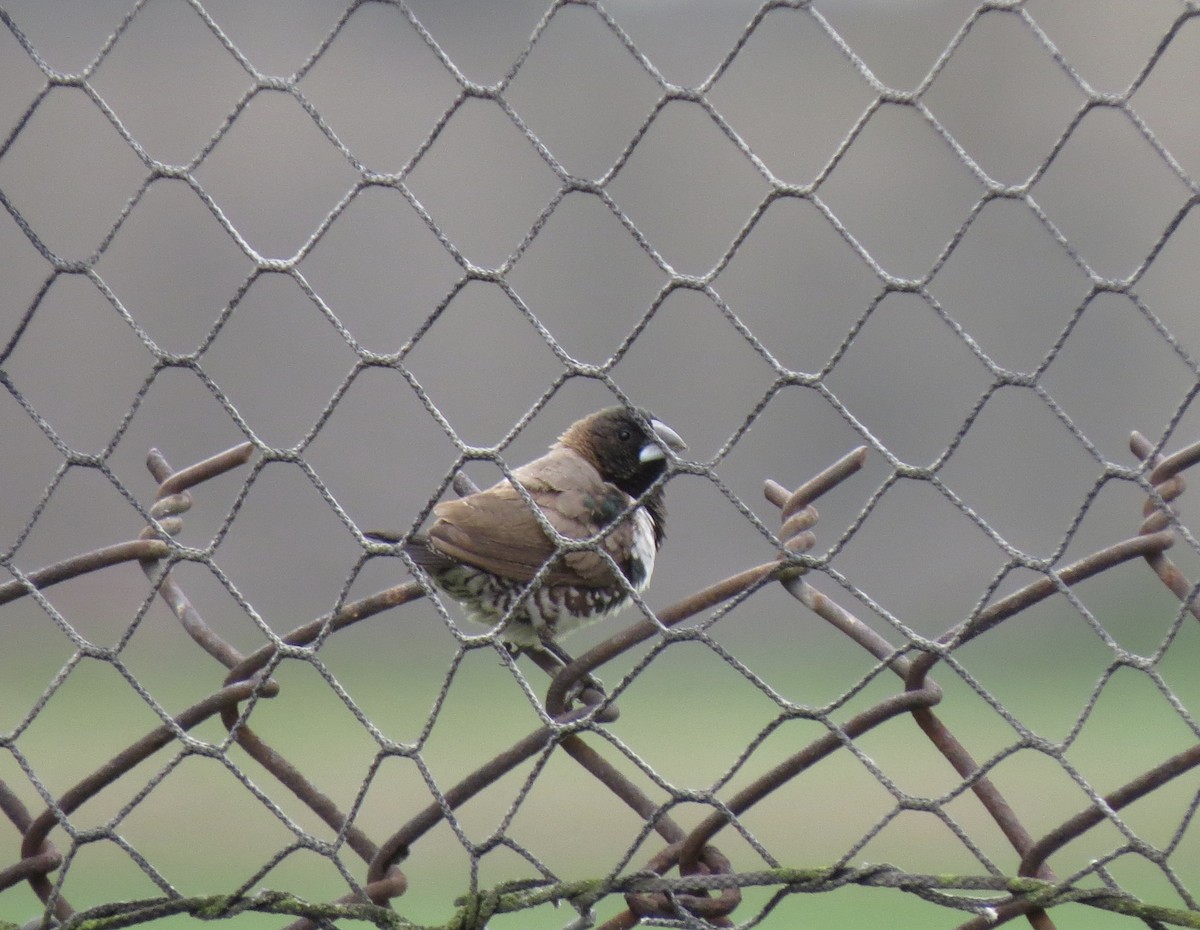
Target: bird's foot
552, 659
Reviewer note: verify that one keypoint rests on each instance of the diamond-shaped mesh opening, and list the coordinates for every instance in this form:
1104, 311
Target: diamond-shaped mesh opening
1010, 285
902, 210
86, 402
377, 54
67, 173
167, 118
679, 157
1002, 71
581, 92
1081, 196
199, 269
355, 270
277, 326
303, 170
791, 57
481, 182
586, 279
281, 277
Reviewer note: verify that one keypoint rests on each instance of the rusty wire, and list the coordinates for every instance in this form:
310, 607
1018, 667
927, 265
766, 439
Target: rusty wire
687, 875
692, 852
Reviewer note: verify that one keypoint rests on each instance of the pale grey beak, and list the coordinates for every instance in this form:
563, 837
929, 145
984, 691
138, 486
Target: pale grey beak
652, 451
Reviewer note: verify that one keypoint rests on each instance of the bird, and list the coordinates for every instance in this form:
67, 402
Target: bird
485, 548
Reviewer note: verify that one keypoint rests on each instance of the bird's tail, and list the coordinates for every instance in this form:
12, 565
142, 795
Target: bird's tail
417, 548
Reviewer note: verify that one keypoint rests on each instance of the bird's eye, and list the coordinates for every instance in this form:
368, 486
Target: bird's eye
624, 435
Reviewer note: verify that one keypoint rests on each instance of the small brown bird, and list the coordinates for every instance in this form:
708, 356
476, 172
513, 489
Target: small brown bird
485, 548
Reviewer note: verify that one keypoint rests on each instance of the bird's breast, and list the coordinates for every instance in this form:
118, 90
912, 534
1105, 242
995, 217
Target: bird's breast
645, 547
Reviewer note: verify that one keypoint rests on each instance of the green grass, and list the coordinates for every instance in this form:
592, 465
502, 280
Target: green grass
689, 717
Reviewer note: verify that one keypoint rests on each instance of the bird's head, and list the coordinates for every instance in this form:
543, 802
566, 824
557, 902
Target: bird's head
621, 448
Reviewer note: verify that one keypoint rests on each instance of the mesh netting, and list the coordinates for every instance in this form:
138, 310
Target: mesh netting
280, 275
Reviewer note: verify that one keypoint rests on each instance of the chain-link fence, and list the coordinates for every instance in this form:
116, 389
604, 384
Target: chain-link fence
932, 263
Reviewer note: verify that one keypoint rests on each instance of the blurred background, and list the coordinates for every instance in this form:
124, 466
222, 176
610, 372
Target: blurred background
957, 235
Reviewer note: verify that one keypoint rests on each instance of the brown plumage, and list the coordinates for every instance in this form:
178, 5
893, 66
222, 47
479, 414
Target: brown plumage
485, 548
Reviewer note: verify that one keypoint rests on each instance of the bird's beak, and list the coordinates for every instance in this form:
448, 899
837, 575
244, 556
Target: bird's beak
653, 451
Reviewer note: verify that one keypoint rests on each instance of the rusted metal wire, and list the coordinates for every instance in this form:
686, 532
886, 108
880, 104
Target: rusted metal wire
575, 716
1156, 537
171, 501
714, 910
1168, 484
691, 852
34, 842
76, 566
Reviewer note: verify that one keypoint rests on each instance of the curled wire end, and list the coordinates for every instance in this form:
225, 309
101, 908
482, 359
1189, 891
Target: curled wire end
464, 486
796, 530
798, 514
1166, 479
798, 537
666, 906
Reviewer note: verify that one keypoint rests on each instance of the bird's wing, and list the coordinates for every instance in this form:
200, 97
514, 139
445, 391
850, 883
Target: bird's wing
495, 530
